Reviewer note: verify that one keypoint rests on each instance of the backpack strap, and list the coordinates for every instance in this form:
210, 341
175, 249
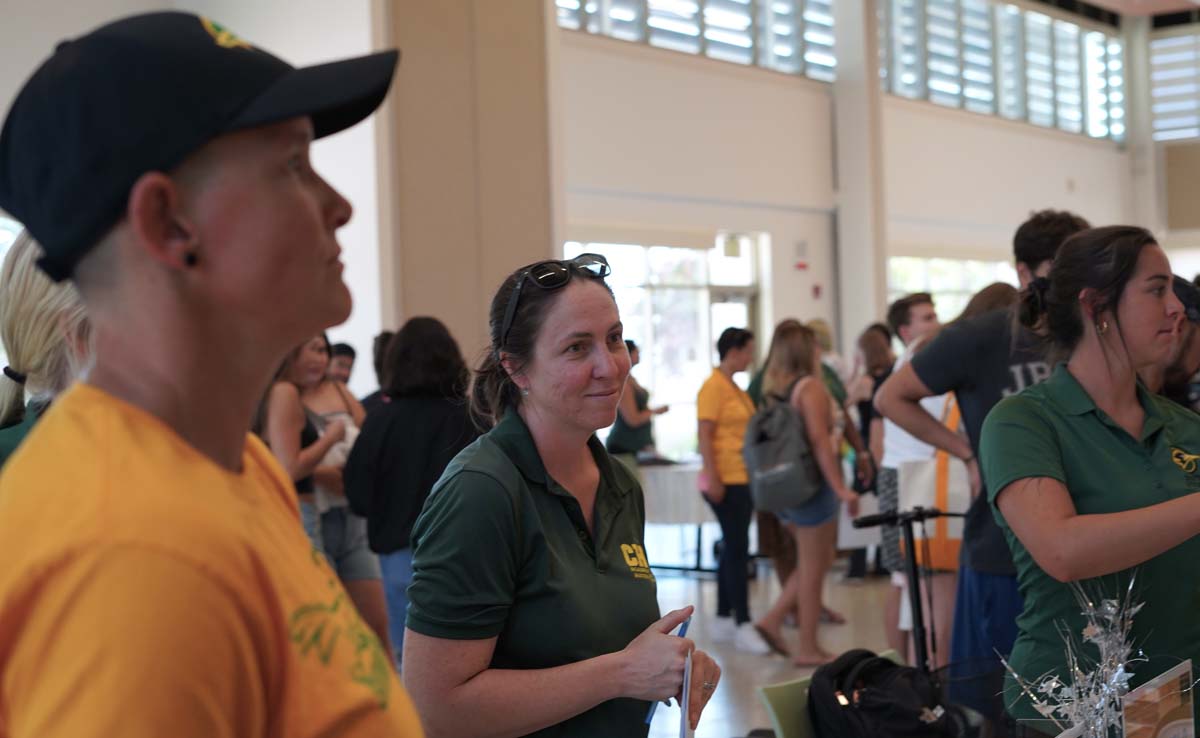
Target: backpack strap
786, 396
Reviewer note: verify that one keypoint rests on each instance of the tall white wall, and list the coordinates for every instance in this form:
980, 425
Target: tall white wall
958, 183
666, 148
30, 29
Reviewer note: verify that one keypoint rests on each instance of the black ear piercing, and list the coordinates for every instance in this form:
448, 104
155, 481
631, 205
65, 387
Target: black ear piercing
190, 259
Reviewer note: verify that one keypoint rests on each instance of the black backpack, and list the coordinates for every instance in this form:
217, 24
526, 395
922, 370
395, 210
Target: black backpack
861, 695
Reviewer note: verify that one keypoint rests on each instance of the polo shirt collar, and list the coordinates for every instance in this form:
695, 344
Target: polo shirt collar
1070, 395
512, 435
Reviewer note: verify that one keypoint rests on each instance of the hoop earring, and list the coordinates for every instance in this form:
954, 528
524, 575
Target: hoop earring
1102, 327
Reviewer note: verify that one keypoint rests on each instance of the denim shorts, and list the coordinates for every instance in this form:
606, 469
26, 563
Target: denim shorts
816, 512
342, 537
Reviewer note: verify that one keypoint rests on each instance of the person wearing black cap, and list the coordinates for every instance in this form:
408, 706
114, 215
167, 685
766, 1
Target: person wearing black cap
157, 579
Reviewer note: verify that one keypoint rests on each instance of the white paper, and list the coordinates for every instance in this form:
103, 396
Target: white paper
849, 537
685, 730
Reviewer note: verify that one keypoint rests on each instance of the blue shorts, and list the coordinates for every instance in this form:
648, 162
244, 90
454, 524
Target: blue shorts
816, 512
344, 543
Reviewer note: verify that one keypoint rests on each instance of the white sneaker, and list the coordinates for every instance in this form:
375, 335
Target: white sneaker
747, 639
721, 630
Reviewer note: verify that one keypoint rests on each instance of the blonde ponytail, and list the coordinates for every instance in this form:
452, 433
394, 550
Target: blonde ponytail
43, 327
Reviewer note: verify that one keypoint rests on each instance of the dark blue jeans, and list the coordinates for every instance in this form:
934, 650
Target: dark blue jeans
397, 575
985, 623
734, 513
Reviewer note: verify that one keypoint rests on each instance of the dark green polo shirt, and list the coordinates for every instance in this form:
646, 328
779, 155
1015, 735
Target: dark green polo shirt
11, 436
501, 550
1055, 430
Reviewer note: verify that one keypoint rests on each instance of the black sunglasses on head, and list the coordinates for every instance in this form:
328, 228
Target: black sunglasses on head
551, 275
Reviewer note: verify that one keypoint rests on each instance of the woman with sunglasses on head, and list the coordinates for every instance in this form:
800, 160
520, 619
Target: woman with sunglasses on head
533, 609
1092, 476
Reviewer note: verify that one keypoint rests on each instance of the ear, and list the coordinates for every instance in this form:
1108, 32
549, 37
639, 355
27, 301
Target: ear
518, 378
1024, 274
1088, 304
158, 223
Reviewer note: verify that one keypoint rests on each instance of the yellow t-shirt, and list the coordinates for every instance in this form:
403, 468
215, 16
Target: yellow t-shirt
147, 592
727, 405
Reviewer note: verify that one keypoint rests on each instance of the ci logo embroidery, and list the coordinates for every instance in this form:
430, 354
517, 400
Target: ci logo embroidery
1184, 460
635, 559
225, 38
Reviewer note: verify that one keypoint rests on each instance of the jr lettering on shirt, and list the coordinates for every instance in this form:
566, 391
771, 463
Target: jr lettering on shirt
981, 362
1026, 375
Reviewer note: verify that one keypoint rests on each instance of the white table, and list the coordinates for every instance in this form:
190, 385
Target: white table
673, 498
672, 495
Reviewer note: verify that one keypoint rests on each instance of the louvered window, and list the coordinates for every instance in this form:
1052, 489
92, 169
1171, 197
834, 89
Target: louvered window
1000, 59
943, 52
1175, 86
791, 36
819, 59
978, 58
906, 48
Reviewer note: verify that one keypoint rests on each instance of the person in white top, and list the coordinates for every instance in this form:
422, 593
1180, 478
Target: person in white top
914, 319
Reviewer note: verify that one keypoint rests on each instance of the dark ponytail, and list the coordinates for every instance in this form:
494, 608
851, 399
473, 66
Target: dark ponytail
1031, 305
1101, 259
492, 391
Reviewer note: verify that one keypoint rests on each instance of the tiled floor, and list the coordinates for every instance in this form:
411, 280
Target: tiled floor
735, 709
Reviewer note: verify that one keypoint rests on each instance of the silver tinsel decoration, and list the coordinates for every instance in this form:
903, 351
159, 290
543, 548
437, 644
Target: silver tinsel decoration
1088, 702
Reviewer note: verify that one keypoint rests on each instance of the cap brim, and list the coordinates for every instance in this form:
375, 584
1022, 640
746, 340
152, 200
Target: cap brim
335, 95
1189, 295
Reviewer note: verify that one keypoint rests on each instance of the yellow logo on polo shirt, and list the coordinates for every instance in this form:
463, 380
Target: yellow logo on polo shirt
1184, 460
635, 559
225, 38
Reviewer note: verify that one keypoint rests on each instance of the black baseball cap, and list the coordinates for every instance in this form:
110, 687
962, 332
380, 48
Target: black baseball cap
139, 95
1189, 295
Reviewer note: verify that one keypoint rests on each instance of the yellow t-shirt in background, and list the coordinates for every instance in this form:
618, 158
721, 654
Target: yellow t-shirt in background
727, 405
147, 592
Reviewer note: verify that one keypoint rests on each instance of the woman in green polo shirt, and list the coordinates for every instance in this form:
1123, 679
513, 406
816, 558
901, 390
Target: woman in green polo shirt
633, 431
1092, 477
533, 609
45, 332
